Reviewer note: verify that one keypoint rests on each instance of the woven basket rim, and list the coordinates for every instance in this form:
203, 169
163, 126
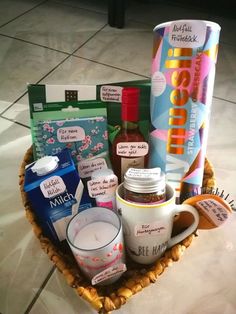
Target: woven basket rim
132, 282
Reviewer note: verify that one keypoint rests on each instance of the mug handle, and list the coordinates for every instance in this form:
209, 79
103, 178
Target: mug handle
181, 236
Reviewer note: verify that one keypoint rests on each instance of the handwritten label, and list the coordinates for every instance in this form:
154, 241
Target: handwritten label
70, 134
111, 93
132, 149
186, 34
102, 186
109, 273
154, 228
87, 167
143, 173
214, 210
52, 186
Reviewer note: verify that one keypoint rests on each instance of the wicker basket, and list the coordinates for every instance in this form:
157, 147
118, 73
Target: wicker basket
107, 298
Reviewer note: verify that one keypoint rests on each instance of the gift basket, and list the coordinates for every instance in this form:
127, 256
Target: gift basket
87, 132
107, 298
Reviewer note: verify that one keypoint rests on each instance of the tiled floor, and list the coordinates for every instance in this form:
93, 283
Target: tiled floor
66, 42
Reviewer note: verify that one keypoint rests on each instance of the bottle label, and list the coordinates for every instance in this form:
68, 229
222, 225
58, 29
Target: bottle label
127, 163
132, 149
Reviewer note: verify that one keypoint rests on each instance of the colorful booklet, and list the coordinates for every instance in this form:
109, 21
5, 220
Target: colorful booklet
84, 137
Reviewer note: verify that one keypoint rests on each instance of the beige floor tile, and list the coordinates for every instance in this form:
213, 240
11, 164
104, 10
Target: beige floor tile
225, 80
129, 48
4, 105
79, 71
21, 63
19, 111
222, 143
56, 26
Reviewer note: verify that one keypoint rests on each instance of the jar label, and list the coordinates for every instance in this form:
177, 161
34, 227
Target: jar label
102, 186
127, 163
132, 149
154, 228
143, 173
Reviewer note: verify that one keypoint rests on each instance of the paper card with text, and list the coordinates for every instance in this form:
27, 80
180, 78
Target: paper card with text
111, 93
87, 167
143, 173
132, 149
103, 186
187, 34
150, 229
109, 273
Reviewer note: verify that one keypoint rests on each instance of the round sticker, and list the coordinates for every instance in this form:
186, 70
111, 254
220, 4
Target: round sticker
158, 83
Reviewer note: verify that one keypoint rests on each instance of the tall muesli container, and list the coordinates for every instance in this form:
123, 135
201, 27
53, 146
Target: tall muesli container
183, 73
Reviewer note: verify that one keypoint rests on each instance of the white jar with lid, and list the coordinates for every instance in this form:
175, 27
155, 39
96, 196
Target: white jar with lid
145, 186
108, 200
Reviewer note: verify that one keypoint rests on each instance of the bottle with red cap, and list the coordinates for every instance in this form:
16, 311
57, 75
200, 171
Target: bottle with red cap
129, 148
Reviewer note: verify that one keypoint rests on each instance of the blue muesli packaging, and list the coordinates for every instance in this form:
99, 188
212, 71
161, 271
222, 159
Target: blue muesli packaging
56, 193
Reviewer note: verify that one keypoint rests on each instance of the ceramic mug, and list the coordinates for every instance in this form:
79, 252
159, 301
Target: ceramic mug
148, 228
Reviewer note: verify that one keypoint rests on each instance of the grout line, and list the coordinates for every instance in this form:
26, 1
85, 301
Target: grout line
226, 100
112, 66
35, 298
91, 37
13, 103
35, 44
4, 24
69, 55
16, 122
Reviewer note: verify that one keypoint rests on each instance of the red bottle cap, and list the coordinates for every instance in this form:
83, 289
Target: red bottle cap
130, 102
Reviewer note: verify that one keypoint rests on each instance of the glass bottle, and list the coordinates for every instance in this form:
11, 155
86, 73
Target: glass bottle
129, 148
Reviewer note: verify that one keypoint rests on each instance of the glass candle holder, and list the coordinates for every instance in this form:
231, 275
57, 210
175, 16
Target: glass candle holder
96, 239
